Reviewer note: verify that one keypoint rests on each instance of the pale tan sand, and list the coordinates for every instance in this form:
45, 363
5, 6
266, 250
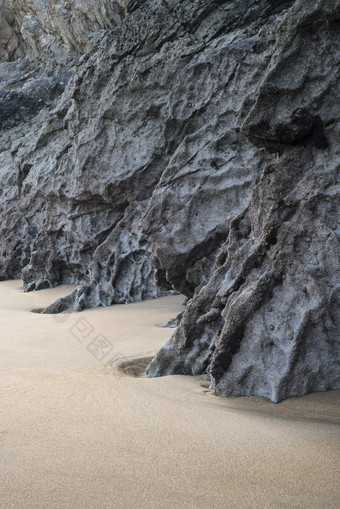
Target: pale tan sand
77, 434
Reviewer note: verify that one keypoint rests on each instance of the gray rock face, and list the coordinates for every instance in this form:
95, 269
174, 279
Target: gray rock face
192, 148
10, 37
54, 29
267, 322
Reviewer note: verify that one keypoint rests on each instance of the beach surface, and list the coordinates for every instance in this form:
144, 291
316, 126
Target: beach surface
82, 427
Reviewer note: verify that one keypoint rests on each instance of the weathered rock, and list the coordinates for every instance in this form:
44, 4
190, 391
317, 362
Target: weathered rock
173, 322
55, 29
267, 322
10, 37
128, 170
121, 130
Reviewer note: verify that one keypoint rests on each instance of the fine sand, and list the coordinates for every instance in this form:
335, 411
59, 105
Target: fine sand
81, 427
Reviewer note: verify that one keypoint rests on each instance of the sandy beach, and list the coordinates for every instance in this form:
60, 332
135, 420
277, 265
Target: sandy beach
82, 427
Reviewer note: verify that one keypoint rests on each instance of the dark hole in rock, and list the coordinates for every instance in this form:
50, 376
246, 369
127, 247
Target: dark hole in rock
272, 239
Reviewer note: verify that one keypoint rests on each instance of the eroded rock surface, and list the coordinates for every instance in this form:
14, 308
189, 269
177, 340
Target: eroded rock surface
55, 29
267, 322
153, 146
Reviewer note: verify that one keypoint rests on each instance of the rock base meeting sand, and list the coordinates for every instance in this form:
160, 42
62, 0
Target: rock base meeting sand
81, 426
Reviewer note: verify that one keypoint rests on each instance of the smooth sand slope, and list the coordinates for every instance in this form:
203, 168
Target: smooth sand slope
79, 429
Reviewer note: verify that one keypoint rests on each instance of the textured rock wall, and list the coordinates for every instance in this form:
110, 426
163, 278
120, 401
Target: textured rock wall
54, 29
10, 37
137, 131
268, 322
193, 147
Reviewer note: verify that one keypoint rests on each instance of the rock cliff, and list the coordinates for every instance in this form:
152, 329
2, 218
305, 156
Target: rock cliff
152, 146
